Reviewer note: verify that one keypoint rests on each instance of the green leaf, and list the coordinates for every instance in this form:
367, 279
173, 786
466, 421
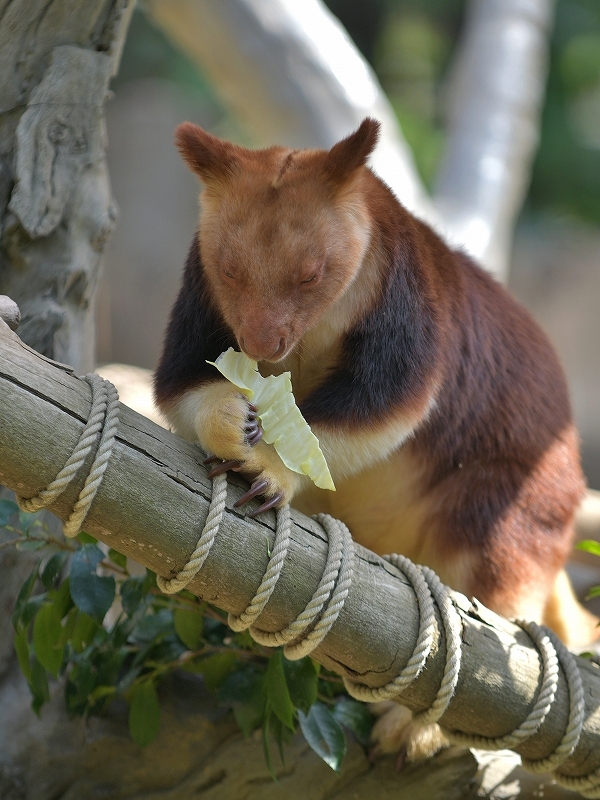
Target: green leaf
302, 681
593, 592
118, 558
244, 640
278, 696
108, 663
22, 650
39, 686
189, 626
101, 693
323, 733
169, 648
132, 592
23, 596
250, 715
69, 626
26, 520
356, 717
590, 546
214, 668
62, 599
53, 568
144, 714
154, 627
240, 685
84, 631
7, 509
85, 538
243, 691
80, 684
31, 608
30, 545
280, 733
47, 631
91, 593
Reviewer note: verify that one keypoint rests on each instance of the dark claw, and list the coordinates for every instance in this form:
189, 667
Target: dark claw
273, 501
210, 460
257, 488
253, 429
223, 467
252, 407
256, 437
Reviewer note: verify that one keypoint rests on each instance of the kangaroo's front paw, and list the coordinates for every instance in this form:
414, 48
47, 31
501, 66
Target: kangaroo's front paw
252, 434
269, 477
227, 425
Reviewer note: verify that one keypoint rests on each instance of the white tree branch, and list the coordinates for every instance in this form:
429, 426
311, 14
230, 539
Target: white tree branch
493, 103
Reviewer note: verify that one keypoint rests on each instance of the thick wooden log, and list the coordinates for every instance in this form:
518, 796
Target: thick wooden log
151, 507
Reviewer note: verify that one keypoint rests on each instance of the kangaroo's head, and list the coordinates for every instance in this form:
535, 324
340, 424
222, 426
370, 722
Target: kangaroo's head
283, 233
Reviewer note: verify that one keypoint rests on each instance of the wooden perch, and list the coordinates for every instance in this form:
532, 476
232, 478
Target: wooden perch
153, 502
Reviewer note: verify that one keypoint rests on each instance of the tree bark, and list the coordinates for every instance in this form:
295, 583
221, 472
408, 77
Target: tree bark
56, 212
150, 507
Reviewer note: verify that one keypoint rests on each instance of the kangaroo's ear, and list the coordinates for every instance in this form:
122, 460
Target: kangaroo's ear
211, 158
352, 152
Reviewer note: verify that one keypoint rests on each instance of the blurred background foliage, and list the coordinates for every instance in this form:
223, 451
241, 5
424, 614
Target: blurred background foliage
410, 44
148, 54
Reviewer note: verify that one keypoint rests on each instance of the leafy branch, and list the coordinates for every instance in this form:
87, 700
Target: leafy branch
81, 617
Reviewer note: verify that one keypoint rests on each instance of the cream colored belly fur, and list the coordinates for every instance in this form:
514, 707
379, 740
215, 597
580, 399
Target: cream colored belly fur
383, 509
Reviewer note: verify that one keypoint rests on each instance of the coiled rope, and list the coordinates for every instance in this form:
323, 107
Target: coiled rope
306, 632
103, 418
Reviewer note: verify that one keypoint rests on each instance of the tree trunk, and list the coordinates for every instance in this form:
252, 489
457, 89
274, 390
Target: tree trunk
56, 212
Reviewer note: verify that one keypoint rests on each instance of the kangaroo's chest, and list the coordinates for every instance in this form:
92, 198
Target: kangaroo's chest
382, 506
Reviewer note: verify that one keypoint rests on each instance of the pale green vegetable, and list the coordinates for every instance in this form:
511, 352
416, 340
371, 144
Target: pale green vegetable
283, 425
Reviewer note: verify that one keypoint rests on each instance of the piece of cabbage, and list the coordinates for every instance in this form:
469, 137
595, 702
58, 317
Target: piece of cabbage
283, 425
